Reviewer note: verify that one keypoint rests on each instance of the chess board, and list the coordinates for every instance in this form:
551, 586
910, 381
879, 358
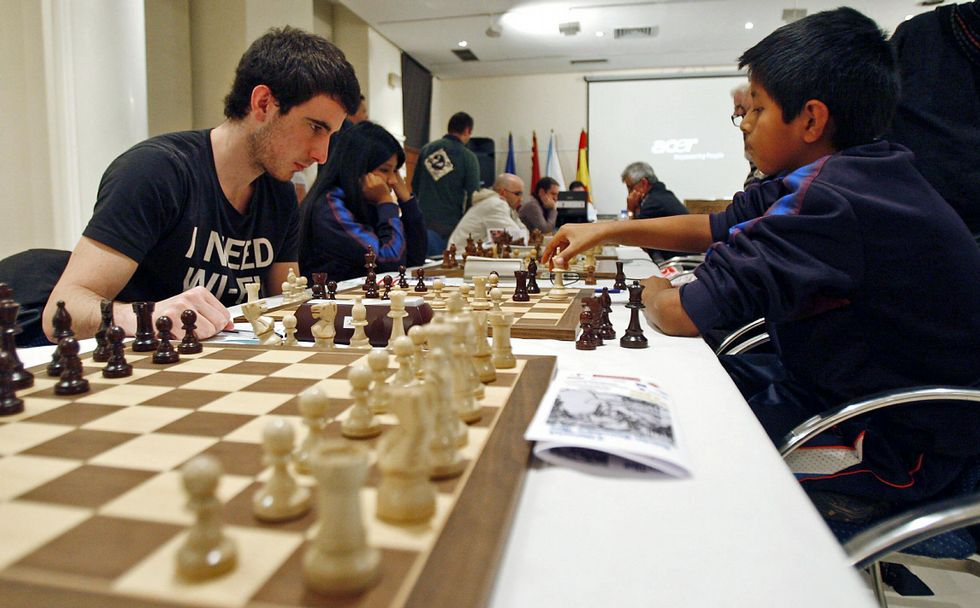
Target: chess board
92, 509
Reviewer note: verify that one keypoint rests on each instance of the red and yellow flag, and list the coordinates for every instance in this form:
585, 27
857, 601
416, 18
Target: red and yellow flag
582, 170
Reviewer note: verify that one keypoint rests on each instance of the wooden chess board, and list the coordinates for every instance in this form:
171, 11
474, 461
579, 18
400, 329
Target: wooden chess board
92, 509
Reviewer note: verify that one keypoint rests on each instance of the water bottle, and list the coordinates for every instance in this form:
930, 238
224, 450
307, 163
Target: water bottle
624, 215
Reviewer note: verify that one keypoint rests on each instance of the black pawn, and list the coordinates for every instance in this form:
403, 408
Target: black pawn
634, 338
71, 382
402, 281
620, 281
165, 350
319, 286
606, 329
117, 367
387, 282
8, 338
520, 289
585, 340
190, 345
332, 290
532, 277
420, 285
102, 350
10, 403
144, 340
62, 329
371, 287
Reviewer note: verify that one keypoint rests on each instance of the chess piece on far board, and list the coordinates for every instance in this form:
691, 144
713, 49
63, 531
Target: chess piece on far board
634, 338
207, 552
62, 329
620, 281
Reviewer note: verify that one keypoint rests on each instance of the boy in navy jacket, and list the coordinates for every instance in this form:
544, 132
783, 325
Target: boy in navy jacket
867, 279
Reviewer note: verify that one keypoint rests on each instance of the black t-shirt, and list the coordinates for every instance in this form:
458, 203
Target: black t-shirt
160, 204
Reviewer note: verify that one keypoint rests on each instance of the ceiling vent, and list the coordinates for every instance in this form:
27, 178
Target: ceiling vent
627, 33
465, 55
587, 61
793, 14
569, 29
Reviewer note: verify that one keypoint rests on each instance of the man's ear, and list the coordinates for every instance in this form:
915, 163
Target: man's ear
263, 103
815, 121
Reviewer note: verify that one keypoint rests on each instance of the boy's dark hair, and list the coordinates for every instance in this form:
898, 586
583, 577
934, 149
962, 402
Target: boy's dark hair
576, 184
839, 57
460, 122
545, 183
354, 152
296, 66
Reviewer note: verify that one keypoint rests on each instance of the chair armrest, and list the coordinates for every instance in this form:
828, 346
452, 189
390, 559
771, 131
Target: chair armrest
811, 427
684, 262
907, 529
727, 343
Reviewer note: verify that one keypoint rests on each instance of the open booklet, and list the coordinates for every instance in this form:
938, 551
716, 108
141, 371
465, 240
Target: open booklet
609, 425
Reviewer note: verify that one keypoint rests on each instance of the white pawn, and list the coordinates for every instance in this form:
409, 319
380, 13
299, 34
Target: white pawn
207, 552
289, 326
405, 494
417, 334
360, 422
287, 292
339, 560
496, 296
359, 321
313, 403
396, 313
323, 330
494, 278
379, 398
281, 498
438, 303
503, 355
464, 291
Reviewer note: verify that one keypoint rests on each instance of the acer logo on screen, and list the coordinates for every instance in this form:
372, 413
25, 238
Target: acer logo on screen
673, 146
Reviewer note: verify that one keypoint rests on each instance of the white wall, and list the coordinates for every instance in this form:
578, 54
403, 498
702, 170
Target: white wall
383, 92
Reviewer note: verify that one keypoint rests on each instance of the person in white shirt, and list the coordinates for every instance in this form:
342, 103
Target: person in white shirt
493, 210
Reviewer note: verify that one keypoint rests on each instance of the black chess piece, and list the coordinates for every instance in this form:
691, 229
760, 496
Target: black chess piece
62, 329
606, 329
319, 289
453, 263
520, 289
387, 282
190, 345
634, 338
595, 307
620, 281
10, 403
331, 290
585, 340
144, 340
420, 285
402, 281
369, 266
165, 352
72, 381
371, 286
117, 367
102, 350
532, 277
8, 338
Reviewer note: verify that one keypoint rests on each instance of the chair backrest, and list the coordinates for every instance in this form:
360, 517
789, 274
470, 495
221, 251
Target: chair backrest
32, 274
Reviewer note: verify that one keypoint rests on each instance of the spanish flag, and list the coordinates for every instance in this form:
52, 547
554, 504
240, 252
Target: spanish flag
535, 167
582, 170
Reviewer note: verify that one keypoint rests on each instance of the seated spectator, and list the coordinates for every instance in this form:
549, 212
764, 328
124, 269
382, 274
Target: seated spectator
578, 186
352, 208
493, 209
648, 197
542, 210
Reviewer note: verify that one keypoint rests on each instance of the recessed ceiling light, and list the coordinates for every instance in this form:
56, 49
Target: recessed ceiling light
462, 44
600, 34
749, 25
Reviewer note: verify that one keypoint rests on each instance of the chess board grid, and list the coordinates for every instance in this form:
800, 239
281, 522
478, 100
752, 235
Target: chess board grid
75, 490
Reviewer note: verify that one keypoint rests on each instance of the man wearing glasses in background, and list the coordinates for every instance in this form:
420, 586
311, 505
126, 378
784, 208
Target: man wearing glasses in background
493, 210
648, 197
743, 103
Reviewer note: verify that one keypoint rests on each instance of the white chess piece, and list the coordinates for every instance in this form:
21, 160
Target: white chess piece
405, 494
464, 292
444, 453
313, 404
418, 337
497, 297
503, 356
338, 559
378, 362
207, 552
359, 321
440, 336
404, 350
262, 326
289, 327
482, 353
396, 312
360, 422
281, 499
468, 409
252, 289
438, 303
480, 301
323, 330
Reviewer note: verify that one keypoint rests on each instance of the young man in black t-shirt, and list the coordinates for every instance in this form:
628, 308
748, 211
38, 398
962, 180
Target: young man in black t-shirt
187, 219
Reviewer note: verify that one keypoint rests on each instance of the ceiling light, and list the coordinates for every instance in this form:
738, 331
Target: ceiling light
749, 25
600, 34
462, 44
537, 19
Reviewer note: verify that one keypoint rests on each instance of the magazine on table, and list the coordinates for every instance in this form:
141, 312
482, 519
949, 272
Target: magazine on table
610, 425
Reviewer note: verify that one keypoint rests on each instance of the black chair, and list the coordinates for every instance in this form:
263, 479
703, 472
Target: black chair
32, 274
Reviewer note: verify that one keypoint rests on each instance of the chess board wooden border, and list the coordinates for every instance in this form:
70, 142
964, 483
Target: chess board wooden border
460, 567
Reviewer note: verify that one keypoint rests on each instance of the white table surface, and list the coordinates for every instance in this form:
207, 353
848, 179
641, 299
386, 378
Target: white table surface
738, 532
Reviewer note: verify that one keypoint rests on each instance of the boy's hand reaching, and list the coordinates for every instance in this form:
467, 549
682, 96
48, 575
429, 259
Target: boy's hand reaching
569, 241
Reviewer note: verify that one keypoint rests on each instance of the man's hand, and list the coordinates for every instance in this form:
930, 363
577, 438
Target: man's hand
402, 191
212, 316
375, 189
549, 202
570, 240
